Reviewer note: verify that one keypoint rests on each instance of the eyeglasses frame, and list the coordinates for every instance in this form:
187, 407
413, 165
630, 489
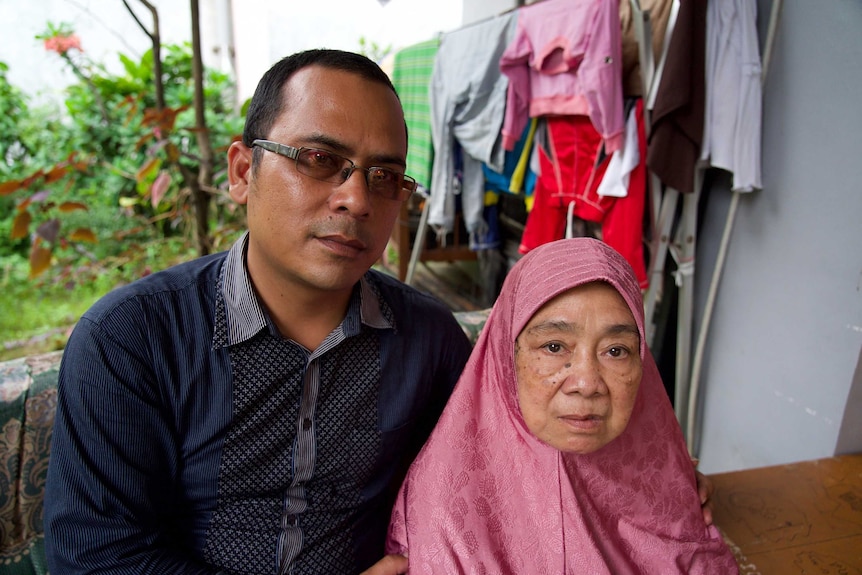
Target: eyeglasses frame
408, 184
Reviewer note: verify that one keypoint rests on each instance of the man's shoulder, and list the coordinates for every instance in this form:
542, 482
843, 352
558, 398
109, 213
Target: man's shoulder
404, 298
421, 318
193, 280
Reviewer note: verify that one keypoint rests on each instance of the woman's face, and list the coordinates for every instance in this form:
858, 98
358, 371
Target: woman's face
578, 368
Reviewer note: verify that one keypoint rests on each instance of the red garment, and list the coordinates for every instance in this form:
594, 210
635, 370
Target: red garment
568, 172
622, 226
485, 495
571, 171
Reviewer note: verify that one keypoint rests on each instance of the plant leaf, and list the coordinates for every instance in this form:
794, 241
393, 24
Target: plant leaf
40, 196
72, 206
10, 186
56, 173
159, 187
173, 152
151, 165
49, 230
83, 235
40, 259
21, 225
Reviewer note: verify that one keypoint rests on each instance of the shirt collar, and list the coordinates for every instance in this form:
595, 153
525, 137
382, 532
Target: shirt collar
245, 317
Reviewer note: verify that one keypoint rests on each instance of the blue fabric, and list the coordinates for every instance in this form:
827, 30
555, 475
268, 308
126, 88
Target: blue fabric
147, 398
501, 181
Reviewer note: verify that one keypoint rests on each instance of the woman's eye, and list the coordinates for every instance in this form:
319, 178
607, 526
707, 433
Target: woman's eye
553, 347
618, 352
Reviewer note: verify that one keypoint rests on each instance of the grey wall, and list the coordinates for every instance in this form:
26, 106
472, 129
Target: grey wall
786, 333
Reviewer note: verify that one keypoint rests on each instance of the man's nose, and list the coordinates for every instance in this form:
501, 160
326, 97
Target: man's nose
353, 195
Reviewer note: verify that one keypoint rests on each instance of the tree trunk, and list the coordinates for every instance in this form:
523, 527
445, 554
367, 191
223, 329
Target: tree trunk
156, 40
205, 174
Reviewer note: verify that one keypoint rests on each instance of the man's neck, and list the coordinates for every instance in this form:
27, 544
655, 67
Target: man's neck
306, 316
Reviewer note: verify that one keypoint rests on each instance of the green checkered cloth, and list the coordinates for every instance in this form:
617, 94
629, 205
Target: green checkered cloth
411, 76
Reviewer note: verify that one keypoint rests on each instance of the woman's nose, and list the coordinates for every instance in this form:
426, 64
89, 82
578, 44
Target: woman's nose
583, 375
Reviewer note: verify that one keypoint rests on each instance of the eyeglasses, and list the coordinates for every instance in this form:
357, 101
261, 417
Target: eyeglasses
328, 167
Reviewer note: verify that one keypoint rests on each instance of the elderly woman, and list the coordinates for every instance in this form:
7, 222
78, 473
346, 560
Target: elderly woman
558, 452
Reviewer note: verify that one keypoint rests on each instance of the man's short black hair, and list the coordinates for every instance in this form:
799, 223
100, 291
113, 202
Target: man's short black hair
268, 101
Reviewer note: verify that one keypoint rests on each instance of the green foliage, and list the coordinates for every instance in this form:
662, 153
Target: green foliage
13, 110
96, 192
111, 153
48, 306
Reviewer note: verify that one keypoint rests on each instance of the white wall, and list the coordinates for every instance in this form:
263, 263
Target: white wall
104, 26
261, 32
479, 10
787, 331
267, 30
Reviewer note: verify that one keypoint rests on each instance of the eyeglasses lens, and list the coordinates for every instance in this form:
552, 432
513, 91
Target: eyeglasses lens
328, 167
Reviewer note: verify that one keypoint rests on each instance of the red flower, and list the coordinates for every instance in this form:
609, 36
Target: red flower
62, 44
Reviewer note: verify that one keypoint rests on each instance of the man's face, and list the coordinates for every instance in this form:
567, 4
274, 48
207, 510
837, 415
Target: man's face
578, 368
310, 235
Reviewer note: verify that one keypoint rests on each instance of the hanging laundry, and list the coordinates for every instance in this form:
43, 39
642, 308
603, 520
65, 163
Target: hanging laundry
516, 176
411, 76
468, 98
573, 167
569, 166
678, 114
622, 225
732, 124
659, 14
566, 59
616, 179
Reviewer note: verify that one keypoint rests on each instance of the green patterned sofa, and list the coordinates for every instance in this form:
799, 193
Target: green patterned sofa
28, 398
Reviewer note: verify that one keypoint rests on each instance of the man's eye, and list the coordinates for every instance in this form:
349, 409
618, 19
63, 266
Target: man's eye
383, 175
321, 159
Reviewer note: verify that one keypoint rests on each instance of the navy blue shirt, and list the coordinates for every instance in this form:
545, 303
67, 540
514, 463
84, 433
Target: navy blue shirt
190, 437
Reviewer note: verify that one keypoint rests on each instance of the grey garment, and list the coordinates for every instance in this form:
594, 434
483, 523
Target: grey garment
468, 101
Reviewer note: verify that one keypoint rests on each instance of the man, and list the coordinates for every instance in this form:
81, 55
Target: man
254, 411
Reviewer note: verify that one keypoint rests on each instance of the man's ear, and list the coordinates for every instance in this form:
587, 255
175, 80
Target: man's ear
239, 171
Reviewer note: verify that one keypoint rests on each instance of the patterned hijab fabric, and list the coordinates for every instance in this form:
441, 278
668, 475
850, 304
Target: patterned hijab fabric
486, 496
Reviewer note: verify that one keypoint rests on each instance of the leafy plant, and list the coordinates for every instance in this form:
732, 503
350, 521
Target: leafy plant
113, 150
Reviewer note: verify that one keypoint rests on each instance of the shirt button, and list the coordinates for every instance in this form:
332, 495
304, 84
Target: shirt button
306, 423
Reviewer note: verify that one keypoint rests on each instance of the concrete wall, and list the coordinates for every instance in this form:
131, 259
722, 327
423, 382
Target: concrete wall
786, 334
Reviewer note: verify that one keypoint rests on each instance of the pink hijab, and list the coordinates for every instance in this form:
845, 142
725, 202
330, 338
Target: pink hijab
486, 496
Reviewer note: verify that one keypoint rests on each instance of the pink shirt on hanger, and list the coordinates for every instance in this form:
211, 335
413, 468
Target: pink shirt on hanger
566, 58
